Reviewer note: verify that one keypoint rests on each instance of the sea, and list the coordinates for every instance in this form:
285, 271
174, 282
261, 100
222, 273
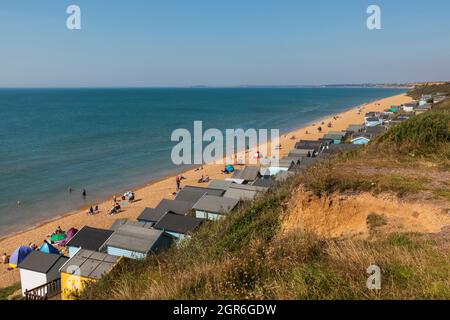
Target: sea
112, 140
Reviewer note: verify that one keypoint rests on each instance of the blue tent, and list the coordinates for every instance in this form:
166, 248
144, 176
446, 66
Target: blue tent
19, 255
48, 248
229, 168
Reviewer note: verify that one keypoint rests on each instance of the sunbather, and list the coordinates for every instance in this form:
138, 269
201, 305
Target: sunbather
5, 258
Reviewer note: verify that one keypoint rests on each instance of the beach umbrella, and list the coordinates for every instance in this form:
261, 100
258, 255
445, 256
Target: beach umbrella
229, 168
48, 248
57, 237
19, 255
69, 235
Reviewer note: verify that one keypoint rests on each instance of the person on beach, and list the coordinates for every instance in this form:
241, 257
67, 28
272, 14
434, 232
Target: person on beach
319, 129
84, 193
178, 182
90, 211
5, 258
114, 198
32, 246
69, 189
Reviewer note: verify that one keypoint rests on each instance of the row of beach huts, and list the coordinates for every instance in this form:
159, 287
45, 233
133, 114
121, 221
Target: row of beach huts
93, 252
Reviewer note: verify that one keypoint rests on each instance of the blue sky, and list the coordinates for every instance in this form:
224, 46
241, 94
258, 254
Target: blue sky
221, 43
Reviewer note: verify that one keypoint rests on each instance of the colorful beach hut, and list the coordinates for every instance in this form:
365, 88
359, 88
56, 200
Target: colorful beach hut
19, 255
84, 267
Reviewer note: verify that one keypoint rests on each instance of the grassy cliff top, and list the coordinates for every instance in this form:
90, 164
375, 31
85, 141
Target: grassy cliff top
250, 256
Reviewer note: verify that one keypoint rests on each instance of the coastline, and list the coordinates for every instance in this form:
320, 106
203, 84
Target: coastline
150, 193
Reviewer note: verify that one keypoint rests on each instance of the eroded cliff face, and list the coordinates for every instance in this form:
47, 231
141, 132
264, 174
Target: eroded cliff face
363, 215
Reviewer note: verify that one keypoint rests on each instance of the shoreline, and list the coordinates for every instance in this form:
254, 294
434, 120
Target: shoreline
171, 173
149, 194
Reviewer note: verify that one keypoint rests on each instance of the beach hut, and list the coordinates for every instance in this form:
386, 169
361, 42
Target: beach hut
136, 242
283, 164
244, 192
38, 269
355, 128
309, 145
152, 215
325, 143
371, 115
361, 139
373, 122
214, 207
409, 107
120, 222
375, 131
336, 136
247, 175
307, 153
220, 184
264, 182
48, 248
88, 238
193, 194
181, 227
19, 255
84, 267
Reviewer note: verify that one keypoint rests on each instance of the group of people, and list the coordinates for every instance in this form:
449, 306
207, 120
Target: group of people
93, 210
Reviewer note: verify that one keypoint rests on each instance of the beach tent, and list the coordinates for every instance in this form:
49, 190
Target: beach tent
229, 168
48, 248
19, 255
69, 235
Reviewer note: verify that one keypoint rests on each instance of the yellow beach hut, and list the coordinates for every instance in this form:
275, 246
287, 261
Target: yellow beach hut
84, 267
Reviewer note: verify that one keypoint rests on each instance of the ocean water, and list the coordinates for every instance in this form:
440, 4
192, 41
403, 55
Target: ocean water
109, 140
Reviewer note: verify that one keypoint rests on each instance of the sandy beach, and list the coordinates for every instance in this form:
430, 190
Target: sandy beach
151, 194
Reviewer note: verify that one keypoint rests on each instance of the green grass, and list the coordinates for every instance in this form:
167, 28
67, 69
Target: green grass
417, 92
249, 255
8, 291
